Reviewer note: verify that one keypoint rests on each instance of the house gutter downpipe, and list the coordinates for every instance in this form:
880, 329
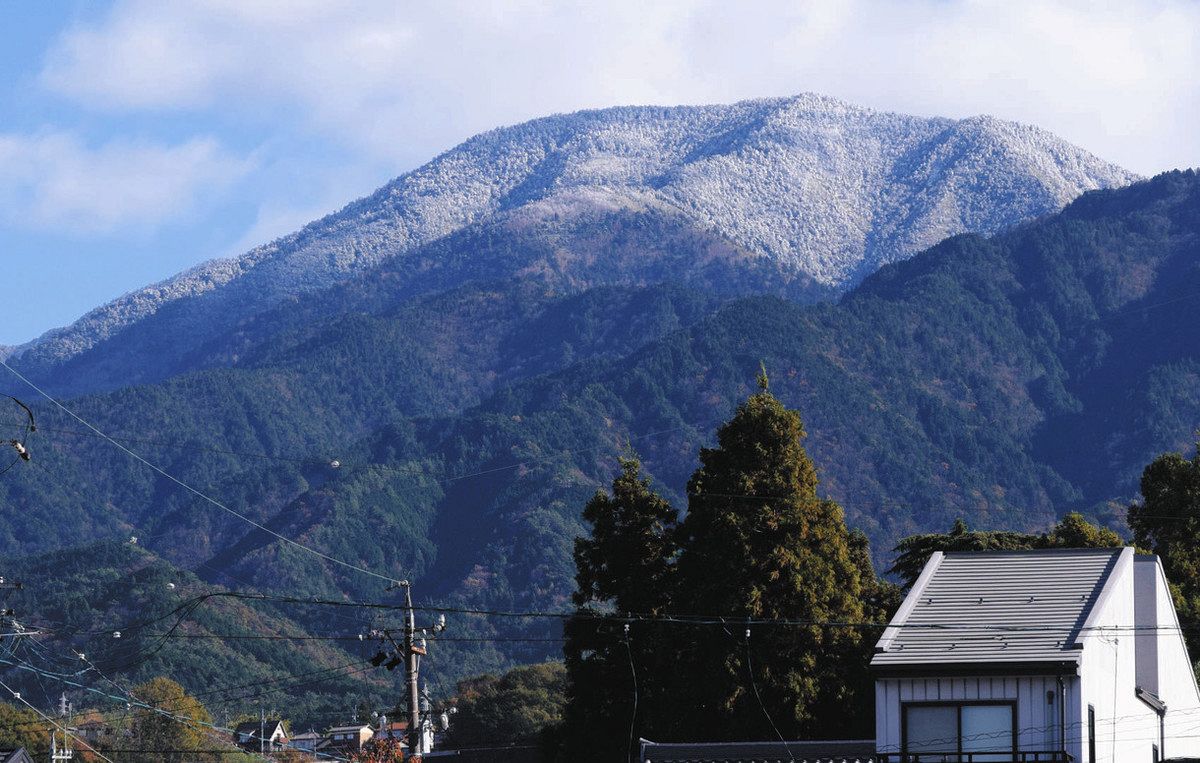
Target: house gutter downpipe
1062, 717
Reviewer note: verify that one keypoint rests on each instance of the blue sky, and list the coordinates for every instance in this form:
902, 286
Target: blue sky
140, 138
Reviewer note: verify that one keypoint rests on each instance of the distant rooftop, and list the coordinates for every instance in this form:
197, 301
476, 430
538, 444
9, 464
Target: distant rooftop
253, 727
1001, 607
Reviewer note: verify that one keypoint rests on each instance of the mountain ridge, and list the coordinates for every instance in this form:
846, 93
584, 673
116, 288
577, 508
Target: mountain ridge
825, 190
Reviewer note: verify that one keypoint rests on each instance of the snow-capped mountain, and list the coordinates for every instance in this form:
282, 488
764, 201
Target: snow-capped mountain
820, 188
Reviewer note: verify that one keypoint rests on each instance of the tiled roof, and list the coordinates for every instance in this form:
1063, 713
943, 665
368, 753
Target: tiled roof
998, 607
837, 751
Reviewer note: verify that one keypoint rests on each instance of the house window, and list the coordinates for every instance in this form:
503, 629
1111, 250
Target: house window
1091, 734
987, 730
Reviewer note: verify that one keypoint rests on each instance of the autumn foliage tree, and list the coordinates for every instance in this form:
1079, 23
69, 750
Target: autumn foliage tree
510, 709
380, 751
22, 727
173, 731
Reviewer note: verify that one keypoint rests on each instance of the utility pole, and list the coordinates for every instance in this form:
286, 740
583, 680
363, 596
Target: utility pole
65, 752
409, 652
412, 661
6, 587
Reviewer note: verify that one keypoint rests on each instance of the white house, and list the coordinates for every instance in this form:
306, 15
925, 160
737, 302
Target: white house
1036, 657
263, 734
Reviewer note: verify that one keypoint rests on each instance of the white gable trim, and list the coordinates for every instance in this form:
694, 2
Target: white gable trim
1124, 566
910, 602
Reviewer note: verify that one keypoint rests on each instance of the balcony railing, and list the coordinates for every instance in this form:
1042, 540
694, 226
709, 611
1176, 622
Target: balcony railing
1006, 756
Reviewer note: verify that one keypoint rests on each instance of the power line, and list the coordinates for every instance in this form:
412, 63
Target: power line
142, 536
26, 702
127, 699
758, 697
633, 714
714, 620
408, 469
198, 493
256, 695
171, 716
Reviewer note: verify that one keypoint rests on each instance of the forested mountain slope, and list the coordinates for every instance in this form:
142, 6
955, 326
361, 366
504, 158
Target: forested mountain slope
1005, 380
134, 617
802, 196
959, 383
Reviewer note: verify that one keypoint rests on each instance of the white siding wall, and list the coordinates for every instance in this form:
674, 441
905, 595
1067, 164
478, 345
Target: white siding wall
1037, 720
1126, 728
1176, 678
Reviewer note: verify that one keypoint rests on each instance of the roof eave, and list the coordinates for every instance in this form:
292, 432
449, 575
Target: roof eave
1068, 667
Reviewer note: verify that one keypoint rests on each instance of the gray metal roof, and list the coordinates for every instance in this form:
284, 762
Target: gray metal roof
1002, 607
759, 752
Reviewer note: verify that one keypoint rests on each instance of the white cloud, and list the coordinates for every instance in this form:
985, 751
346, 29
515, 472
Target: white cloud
399, 81
53, 180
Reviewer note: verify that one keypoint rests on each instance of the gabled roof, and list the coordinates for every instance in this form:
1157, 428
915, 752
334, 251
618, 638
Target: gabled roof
310, 734
758, 752
18, 755
252, 728
999, 608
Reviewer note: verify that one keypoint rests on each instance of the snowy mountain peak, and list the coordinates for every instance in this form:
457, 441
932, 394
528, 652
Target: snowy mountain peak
823, 188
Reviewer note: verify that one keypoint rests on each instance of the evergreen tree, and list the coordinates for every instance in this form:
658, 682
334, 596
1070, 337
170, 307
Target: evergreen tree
759, 542
1167, 522
514, 708
624, 568
1072, 531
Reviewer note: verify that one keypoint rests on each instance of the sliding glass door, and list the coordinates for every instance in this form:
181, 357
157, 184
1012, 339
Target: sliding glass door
946, 730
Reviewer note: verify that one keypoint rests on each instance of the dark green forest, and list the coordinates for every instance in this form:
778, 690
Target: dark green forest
1005, 381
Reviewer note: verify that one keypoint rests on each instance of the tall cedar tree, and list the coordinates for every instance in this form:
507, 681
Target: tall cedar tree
1167, 522
758, 542
624, 568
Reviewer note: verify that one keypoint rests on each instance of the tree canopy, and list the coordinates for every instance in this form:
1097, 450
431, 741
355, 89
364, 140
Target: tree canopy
759, 542
1167, 522
509, 709
1073, 531
625, 567
172, 734
22, 727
